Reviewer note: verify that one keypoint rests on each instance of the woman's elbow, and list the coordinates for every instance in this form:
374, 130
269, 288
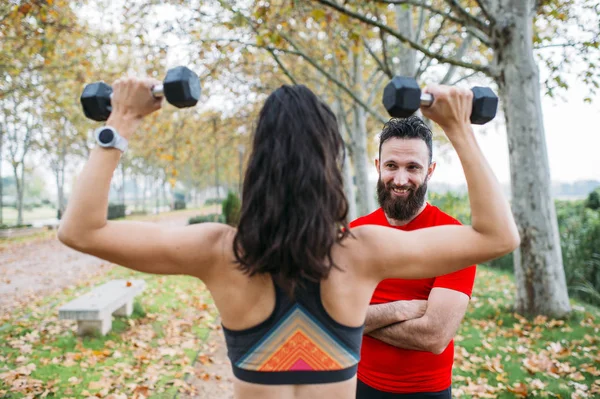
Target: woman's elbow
512, 242
69, 238
64, 237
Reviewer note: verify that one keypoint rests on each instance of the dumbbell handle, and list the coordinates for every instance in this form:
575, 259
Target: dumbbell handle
157, 91
426, 99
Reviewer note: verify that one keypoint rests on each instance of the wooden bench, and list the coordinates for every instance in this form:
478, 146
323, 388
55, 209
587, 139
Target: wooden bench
93, 311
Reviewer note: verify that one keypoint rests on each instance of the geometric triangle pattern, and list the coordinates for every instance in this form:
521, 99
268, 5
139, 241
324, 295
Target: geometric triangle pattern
298, 342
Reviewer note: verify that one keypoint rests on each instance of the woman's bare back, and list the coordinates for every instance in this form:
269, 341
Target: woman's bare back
244, 302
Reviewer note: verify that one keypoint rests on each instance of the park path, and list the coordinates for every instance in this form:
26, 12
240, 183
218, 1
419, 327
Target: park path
43, 267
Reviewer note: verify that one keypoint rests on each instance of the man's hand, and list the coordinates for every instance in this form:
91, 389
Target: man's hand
408, 310
386, 314
431, 332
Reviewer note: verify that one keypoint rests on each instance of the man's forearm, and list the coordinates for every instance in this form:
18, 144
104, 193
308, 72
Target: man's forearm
415, 334
379, 316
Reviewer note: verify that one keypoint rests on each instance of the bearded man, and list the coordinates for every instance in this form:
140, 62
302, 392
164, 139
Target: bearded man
408, 350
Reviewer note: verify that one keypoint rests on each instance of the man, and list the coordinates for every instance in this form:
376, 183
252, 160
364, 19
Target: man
407, 350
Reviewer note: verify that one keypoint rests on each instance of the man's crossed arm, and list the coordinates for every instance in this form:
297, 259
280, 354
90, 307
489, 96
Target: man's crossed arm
404, 325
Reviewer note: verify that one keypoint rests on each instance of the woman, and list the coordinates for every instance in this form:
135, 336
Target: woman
291, 283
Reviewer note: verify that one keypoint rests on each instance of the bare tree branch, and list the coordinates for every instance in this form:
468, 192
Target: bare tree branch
331, 4
248, 44
561, 45
384, 68
464, 78
459, 54
485, 11
420, 68
332, 79
384, 51
283, 68
483, 36
468, 17
420, 25
423, 6
377, 88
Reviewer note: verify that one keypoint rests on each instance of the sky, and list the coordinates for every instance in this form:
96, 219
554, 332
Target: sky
572, 130
572, 136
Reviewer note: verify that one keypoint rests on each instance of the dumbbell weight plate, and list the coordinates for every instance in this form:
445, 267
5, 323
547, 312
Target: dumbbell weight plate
485, 105
402, 97
181, 87
95, 101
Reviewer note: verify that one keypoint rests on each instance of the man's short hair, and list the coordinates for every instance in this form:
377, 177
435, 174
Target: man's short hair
412, 127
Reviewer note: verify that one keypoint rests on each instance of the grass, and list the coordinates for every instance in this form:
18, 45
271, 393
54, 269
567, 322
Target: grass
9, 215
499, 354
148, 352
16, 241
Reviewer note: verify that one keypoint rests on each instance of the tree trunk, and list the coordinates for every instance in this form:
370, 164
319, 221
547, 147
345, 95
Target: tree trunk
157, 190
19, 174
349, 190
539, 273
59, 173
135, 192
407, 65
123, 183
59, 180
365, 192
163, 191
145, 192
1, 181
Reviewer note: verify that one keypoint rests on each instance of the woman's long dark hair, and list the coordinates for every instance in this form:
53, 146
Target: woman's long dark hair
293, 204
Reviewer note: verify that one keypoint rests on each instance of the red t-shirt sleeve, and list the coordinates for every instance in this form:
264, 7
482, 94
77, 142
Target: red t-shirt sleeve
461, 281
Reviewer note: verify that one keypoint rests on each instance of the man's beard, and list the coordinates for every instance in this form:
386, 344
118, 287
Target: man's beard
397, 208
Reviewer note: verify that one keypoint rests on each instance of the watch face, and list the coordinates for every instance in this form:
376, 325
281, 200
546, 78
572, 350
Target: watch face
106, 136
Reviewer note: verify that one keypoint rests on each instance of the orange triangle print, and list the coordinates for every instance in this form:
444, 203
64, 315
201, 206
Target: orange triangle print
299, 352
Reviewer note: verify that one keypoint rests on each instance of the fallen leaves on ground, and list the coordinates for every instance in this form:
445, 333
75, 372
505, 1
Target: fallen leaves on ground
151, 352
501, 354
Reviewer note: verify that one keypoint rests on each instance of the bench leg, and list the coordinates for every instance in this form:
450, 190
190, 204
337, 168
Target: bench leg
125, 310
85, 327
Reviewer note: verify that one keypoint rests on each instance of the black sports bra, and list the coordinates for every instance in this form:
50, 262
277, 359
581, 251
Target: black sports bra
299, 343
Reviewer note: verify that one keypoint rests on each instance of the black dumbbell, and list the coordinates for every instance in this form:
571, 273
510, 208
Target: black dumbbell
403, 96
181, 88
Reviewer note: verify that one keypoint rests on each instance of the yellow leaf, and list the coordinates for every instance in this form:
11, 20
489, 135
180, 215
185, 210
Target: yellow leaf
318, 14
172, 182
166, 157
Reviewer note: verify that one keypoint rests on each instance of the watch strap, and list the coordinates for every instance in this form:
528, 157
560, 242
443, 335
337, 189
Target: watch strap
121, 143
118, 141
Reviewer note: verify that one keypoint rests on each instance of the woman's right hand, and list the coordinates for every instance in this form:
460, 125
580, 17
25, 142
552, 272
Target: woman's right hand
131, 100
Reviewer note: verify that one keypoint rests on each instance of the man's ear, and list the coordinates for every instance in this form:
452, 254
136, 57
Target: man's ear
377, 164
431, 169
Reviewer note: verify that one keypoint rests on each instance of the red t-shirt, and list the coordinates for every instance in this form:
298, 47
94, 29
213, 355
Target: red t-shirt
390, 369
